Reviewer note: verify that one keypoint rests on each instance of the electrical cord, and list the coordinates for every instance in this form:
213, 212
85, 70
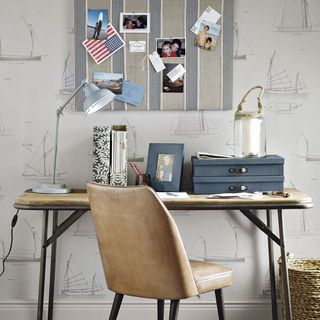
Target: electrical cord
13, 223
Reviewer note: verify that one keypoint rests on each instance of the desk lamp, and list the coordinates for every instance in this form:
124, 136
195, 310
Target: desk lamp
95, 99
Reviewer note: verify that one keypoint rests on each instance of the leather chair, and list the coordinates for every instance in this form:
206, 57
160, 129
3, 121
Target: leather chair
142, 252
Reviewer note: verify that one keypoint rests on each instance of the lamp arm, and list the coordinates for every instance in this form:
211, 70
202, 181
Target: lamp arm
59, 113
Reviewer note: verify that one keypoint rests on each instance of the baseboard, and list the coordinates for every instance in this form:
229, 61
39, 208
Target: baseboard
243, 310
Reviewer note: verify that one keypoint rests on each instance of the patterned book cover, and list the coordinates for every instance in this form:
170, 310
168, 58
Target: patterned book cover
119, 156
101, 154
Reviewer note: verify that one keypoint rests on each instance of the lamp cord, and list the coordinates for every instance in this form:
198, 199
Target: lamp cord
13, 223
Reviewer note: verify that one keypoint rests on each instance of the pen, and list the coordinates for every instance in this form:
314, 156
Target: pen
277, 193
172, 194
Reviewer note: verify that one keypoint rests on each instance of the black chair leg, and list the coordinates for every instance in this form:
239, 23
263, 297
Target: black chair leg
174, 309
220, 307
116, 306
160, 309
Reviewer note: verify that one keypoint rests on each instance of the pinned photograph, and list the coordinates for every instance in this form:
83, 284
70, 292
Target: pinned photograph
134, 22
110, 81
208, 35
171, 47
97, 24
169, 85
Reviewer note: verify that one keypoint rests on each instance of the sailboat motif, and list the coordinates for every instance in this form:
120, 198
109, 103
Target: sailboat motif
75, 283
22, 50
192, 123
222, 258
5, 129
266, 291
302, 149
278, 81
67, 78
84, 226
296, 16
241, 47
41, 164
283, 107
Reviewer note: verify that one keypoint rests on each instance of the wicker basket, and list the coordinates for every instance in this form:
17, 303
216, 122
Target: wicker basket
304, 279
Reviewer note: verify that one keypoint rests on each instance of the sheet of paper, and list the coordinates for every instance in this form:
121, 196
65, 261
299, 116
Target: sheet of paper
176, 73
210, 15
173, 195
242, 195
137, 46
131, 93
156, 61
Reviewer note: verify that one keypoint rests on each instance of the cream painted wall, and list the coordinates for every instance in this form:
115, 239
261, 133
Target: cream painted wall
29, 97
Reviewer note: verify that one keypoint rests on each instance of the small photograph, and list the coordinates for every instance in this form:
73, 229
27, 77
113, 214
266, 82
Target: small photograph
110, 81
135, 22
97, 24
167, 84
164, 169
171, 47
208, 35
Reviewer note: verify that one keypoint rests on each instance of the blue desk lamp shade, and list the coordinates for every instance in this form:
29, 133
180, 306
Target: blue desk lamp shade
95, 99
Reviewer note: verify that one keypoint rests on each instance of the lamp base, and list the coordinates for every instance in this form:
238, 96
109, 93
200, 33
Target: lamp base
51, 188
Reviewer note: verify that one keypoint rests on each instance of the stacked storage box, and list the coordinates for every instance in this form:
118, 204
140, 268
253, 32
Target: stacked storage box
237, 175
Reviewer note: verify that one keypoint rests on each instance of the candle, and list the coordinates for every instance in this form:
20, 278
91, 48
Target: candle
251, 135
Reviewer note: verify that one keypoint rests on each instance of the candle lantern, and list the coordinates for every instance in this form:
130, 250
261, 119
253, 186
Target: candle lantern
249, 130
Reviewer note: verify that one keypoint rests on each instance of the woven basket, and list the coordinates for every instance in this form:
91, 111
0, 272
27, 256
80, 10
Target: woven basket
304, 279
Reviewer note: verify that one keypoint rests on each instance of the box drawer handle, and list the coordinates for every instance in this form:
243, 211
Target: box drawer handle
238, 188
238, 170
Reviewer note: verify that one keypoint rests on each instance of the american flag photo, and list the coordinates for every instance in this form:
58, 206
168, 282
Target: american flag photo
101, 50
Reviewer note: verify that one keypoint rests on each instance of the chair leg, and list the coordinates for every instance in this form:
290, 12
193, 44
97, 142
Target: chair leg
174, 309
220, 307
160, 309
116, 306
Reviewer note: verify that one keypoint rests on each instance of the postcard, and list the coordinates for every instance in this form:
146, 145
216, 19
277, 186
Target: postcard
169, 86
110, 81
156, 61
171, 47
210, 15
134, 22
132, 93
208, 35
137, 46
97, 24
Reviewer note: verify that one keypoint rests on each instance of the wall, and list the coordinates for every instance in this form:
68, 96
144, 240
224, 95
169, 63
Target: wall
30, 95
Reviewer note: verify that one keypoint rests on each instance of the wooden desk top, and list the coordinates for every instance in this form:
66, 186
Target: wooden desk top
79, 200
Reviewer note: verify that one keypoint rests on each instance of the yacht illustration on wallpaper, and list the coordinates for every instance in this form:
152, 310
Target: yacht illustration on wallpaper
67, 78
241, 47
84, 227
279, 84
301, 223
41, 164
234, 253
296, 16
302, 149
283, 107
192, 123
5, 128
75, 283
23, 44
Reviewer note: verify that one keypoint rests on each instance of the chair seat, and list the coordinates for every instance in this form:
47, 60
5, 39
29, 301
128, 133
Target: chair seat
210, 276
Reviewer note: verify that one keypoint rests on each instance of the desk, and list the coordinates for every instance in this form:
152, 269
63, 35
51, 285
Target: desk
78, 203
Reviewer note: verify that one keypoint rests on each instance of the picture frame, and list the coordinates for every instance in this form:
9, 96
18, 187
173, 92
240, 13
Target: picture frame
164, 166
133, 22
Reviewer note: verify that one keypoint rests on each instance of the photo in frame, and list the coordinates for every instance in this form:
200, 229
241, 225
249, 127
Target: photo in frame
132, 22
164, 166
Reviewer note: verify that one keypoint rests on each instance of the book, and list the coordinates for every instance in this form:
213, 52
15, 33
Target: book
207, 155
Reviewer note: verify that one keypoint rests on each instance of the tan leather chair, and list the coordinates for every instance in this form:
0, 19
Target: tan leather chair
142, 252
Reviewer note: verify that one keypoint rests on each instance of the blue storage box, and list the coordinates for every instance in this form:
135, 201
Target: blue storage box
237, 175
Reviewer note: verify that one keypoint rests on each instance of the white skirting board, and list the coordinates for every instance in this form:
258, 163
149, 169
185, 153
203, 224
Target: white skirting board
249, 310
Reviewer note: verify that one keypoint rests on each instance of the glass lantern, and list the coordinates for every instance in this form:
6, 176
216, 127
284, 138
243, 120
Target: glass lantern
249, 130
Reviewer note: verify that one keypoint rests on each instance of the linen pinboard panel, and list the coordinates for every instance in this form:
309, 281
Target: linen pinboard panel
207, 84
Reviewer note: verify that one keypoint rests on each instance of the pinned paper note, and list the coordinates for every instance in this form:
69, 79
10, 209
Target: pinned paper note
176, 73
132, 93
156, 61
137, 46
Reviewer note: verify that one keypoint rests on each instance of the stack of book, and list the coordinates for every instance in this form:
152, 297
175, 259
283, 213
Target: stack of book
110, 155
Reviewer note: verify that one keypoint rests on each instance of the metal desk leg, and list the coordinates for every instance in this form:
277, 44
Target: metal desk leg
53, 265
271, 270
42, 264
284, 268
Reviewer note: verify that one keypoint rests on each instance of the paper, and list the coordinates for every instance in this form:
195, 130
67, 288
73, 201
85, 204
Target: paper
131, 93
137, 46
207, 155
209, 15
241, 195
156, 61
173, 195
176, 73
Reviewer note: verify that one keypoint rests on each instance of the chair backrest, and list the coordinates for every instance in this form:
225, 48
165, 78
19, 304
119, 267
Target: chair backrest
140, 246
